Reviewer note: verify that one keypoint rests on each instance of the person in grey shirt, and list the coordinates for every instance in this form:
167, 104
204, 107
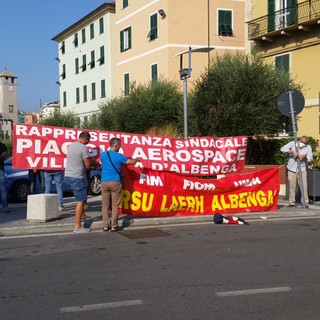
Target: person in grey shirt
303, 152
75, 174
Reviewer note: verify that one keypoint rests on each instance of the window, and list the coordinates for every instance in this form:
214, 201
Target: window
63, 47
101, 59
64, 98
281, 13
75, 40
225, 23
85, 95
125, 39
101, 25
282, 62
126, 84
125, 3
63, 74
77, 95
11, 108
154, 72
84, 63
92, 62
76, 65
83, 33
103, 88
91, 31
153, 33
93, 91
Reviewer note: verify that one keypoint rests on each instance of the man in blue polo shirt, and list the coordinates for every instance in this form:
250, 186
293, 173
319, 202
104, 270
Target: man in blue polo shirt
111, 185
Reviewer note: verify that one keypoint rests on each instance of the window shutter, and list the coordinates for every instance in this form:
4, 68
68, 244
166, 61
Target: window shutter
225, 22
122, 41
153, 27
154, 72
126, 84
129, 38
271, 15
292, 12
282, 63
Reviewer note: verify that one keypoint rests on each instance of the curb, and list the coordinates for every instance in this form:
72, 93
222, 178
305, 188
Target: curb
128, 221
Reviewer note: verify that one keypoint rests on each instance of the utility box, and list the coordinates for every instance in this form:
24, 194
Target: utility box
42, 207
314, 183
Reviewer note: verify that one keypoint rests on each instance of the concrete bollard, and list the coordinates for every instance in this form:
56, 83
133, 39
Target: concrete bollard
42, 207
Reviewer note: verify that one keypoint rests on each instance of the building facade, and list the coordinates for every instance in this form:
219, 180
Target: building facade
86, 63
139, 41
150, 33
48, 109
286, 33
8, 101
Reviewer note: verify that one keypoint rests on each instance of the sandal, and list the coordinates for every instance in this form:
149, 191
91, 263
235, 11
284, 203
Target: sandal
105, 229
116, 229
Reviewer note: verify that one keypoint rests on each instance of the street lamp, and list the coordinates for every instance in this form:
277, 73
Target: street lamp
185, 73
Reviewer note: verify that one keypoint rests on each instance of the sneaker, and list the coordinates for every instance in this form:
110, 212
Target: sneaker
5, 210
307, 206
81, 230
62, 208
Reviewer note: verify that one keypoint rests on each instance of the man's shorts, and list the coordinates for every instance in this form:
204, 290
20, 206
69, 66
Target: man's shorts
79, 188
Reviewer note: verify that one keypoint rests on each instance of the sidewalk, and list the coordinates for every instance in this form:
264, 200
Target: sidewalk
15, 222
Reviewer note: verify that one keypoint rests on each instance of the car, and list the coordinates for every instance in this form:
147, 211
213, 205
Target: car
17, 183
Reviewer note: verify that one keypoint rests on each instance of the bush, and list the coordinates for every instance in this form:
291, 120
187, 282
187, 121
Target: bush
266, 151
237, 95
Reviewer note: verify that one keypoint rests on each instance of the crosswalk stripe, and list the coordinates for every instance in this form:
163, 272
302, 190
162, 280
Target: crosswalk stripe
252, 291
101, 306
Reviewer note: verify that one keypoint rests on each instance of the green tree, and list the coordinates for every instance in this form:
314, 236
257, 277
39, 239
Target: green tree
237, 95
62, 119
153, 105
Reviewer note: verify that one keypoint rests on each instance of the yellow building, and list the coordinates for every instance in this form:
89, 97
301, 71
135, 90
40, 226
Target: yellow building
286, 33
150, 33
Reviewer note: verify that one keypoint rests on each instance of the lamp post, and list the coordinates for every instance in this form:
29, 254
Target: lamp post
185, 73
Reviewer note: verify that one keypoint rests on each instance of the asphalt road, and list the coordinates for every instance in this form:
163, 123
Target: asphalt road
267, 270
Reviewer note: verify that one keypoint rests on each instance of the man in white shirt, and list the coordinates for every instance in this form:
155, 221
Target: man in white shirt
303, 152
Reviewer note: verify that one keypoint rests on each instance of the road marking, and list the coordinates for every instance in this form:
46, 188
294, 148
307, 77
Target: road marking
252, 291
101, 306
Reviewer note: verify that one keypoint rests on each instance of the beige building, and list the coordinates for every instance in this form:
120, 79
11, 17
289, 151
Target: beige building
140, 39
286, 33
150, 33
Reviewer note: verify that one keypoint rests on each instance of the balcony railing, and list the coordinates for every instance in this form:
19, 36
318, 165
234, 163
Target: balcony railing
304, 13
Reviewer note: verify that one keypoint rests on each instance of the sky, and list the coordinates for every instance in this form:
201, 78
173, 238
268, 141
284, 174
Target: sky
26, 48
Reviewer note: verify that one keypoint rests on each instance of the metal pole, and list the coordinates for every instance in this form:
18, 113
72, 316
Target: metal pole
297, 148
185, 108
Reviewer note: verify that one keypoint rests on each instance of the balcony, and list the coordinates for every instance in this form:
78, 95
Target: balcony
301, 16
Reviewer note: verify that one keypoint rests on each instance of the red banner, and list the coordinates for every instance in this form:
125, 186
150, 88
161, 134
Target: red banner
45, 147
155, 193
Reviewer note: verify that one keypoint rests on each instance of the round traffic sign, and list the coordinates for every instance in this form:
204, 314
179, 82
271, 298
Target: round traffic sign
283, 102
